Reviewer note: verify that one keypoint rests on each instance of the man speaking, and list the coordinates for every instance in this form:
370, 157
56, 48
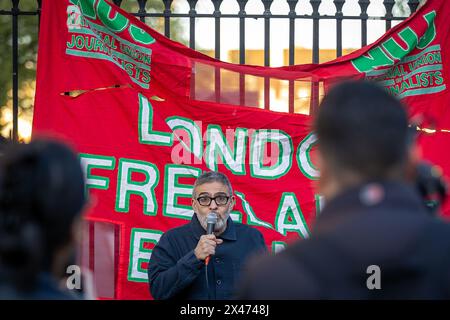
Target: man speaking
202, 259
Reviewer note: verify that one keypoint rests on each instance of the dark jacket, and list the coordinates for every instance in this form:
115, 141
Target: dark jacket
381, 224
175, 272
46, 288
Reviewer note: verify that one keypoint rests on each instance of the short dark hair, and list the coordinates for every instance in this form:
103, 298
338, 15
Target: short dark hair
362, 129
42, 193
213, 176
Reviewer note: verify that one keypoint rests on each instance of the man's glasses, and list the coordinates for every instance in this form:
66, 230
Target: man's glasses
205, 201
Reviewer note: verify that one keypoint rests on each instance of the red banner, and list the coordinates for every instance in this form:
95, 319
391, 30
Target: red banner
148, 115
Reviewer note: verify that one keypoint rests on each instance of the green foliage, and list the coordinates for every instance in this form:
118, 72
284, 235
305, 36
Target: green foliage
28, 39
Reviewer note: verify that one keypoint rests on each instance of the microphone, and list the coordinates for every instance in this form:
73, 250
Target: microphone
211, 221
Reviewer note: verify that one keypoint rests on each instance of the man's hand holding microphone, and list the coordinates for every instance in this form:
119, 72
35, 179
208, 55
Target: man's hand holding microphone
207, 244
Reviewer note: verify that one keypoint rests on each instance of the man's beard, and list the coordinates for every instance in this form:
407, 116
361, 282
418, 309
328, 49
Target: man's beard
220, 224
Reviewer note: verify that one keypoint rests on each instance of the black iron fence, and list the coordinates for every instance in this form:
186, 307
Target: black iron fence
167, 14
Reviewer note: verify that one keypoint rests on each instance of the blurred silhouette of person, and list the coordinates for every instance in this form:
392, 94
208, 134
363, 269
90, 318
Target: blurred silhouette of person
41, 199
374, 238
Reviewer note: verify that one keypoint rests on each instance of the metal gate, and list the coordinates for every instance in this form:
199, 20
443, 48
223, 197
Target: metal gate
167, 14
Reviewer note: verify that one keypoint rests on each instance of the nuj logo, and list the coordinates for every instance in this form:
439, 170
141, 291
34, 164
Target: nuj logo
390, 51
73, 17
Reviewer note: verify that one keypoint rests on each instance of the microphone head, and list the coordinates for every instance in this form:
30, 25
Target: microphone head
211, 218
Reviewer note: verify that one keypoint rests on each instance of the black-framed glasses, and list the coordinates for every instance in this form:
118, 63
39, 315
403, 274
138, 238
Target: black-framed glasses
220, 200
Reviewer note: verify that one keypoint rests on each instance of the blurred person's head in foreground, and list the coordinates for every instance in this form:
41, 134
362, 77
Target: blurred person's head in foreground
41, 199
363, 136
372, 217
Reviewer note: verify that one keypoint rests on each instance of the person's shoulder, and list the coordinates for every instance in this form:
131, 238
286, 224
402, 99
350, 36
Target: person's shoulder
439, 228
263, 265
48, 288
293, 256
278, 276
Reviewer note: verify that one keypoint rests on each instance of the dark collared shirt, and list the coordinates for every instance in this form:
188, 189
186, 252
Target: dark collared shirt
175, 272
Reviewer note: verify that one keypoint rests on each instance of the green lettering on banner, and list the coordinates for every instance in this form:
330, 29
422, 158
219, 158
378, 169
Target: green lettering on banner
436, 67
146, 77
435, 49
79, 42
375, 58
422, 91
87, 8
320, 202
304, 157
71, 44
140, 35
257, 147
195, 134
174, 190
105, 45
139, 254
99, 46
217, 144
91, 161
439, 78
430, 34
278, 246
289, 216
117, 23
91, 44
136, 54
102, 56
418, 74
396, 51
252, 219
236, 216
96, 28
146, 134
96, 43
145, 189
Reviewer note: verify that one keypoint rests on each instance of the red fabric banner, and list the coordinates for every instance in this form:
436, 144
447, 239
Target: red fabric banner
147, 115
